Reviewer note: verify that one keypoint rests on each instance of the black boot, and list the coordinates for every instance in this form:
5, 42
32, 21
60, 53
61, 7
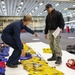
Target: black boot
52, 58
18, 63
11, 65
58, 60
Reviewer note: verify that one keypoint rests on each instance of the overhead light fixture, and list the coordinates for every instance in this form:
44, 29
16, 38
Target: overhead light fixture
32, 10
18, 10
2, 2
73, 5
3, 7
65, 8
4, 10
40, 13
30, 13
22, 2
36, 7
20, 7
41, 4
57, 4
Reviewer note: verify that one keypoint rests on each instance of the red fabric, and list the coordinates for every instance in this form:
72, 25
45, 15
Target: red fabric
72, 67
2, 64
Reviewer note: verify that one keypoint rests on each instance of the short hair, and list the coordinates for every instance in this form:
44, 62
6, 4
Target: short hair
27, 17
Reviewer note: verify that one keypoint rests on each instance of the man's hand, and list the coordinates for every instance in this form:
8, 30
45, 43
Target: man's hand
36, 35
45, 35
61, 30
22, 53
